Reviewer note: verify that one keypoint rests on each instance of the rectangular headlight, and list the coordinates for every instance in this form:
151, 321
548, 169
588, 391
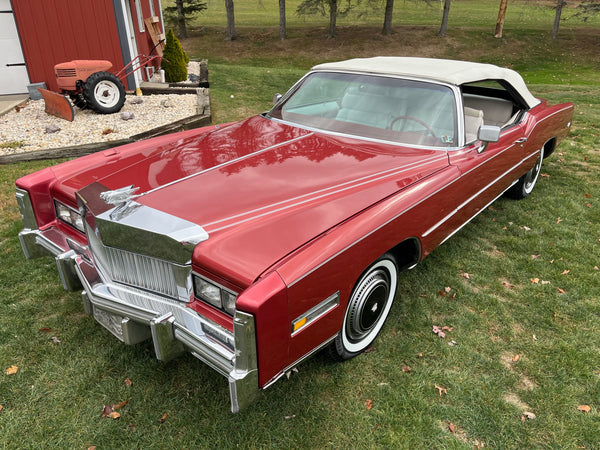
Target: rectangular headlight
214, 294
68, 215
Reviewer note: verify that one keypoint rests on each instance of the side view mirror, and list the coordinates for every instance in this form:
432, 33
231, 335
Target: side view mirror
487, 134
276, 98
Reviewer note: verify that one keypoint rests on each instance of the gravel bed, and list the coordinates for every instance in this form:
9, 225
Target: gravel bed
31, 128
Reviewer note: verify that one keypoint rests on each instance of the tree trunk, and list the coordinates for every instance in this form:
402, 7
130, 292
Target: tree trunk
282, 29
387, 21
501, 14
181, 19
231, 34
333, 7
559, 7
444, 26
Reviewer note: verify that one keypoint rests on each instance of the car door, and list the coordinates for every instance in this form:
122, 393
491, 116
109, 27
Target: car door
486, 171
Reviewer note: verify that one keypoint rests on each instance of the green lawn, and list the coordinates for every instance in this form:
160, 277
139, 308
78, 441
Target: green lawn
523, 297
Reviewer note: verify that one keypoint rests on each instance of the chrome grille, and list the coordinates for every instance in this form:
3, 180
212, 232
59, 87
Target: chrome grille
141, 271
155, 275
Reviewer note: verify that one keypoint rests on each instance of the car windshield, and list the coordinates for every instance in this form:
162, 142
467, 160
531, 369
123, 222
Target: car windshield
376, 107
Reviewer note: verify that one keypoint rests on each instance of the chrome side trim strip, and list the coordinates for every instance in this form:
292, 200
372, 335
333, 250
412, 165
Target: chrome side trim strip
473, 197
315, 313
291, 283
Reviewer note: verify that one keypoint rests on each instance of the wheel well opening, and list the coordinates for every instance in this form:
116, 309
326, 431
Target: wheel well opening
549, 147
407, 253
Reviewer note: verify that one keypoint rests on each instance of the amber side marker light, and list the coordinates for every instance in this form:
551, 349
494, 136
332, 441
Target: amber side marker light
316, 312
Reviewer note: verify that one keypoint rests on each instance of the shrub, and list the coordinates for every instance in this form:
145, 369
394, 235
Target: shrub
175, 60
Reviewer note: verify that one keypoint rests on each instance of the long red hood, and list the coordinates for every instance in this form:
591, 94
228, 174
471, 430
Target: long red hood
261, 189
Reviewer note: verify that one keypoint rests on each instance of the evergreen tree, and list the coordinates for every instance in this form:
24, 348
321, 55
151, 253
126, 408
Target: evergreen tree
174, 60
181, 12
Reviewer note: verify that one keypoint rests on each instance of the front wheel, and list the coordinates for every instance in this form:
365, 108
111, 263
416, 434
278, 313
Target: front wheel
523, 187
368, 308
104, 92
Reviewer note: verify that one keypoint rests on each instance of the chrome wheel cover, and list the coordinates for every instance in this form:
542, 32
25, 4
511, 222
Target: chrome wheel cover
369, 306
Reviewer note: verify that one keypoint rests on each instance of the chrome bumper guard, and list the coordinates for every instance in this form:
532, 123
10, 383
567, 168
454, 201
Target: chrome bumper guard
134, 315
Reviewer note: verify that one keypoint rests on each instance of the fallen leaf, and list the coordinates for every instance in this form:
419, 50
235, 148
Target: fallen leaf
370, 349
559, 220
128, 382
114, 415
1, 407
290, 417
107, 131
452, 343
535, 256
11, 370
584, 408
516, 358
163, 418
508, 285
120, 405
560, 291
465, 275
588, 195
369, 404
534, 337
420, 355
565, 272
406, 369
449, 329
447, 289
131, 427
529, 415
45, 330
534, 280
545, 175
93, 447
526, 228
451, 427
545, 282
596, 268
437, 330
55, 340
441, 390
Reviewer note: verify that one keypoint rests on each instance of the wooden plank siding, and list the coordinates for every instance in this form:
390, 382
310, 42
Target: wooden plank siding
55, 31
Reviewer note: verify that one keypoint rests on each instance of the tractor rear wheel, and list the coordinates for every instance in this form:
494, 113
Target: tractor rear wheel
104, 92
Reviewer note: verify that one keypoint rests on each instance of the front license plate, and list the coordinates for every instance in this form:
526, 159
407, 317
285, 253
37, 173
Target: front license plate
111, 322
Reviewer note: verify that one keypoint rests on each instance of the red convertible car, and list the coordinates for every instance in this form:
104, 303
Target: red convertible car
255, 244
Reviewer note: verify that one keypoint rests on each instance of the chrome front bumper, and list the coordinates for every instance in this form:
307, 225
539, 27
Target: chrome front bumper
134, 315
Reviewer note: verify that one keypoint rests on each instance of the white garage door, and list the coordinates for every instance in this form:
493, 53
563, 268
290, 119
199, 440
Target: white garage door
13, 73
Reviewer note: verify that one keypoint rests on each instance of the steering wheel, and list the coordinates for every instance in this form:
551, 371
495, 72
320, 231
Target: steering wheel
414, 119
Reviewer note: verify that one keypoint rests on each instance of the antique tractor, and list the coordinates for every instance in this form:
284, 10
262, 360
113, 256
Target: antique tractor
89, 85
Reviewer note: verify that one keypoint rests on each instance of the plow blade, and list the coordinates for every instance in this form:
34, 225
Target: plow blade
57, 105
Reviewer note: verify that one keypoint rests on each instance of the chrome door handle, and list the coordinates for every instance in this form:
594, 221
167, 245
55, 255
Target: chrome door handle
521, 140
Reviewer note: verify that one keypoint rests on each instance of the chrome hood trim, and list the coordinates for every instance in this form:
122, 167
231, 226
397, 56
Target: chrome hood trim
138, 228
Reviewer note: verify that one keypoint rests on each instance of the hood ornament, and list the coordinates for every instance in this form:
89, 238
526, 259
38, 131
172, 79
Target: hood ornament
119, 197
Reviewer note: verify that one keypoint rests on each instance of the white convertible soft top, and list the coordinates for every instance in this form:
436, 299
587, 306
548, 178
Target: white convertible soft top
446, 70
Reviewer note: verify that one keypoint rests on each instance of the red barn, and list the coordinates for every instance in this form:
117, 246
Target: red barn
37, 34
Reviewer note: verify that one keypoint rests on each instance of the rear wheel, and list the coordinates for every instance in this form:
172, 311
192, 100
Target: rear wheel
104, 92
523, 187
368, 308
